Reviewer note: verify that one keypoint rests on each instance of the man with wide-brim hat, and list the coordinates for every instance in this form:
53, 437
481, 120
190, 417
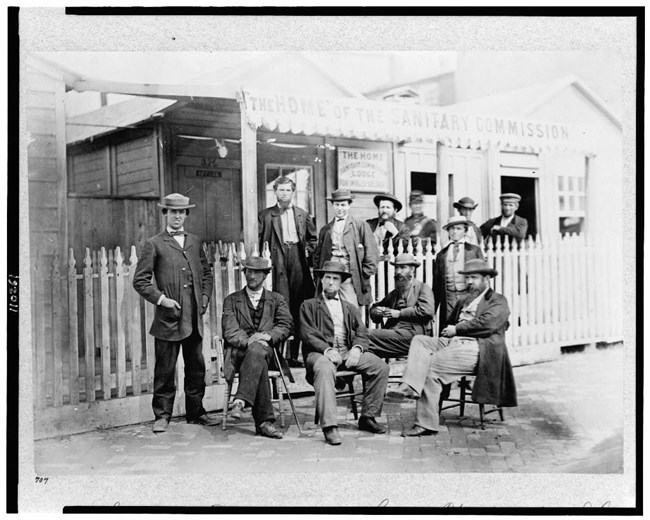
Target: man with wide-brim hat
406, 311
386, 228
472, 344
465, 207
176, 262
420, 226
255, 321
334, 338
507, 224
348, 240
449, 284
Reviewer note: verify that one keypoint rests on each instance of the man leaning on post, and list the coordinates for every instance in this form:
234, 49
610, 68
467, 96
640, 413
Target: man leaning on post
175, 261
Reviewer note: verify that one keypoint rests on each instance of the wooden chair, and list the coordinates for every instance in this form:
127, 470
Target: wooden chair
275, 380
345, 378
465, 397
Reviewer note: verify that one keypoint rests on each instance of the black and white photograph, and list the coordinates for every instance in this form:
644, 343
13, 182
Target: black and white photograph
328, 261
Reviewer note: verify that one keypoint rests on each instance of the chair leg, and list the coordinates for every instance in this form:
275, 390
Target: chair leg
226, 402
481, 411
353, 403
463, 391
316, 418
501, 414
280, 401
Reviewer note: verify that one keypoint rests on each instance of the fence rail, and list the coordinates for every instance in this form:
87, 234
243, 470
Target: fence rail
90, 328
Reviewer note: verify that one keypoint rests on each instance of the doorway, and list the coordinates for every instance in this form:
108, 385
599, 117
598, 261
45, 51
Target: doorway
526, 187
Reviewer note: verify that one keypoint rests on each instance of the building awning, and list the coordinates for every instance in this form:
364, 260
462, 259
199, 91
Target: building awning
403, 122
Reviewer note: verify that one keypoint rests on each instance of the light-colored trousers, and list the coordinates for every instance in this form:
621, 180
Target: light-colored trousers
432, 363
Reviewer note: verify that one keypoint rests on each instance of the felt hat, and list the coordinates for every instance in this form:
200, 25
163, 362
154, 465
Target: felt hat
416, 196
176, 201
257, 263
388, 196
510, 197
478, 266
332, 266
465, 202
405, 259
340, 195
457, 219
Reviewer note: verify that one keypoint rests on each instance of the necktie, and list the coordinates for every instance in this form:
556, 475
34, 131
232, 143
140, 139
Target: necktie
456, 248
176, 233
332, 297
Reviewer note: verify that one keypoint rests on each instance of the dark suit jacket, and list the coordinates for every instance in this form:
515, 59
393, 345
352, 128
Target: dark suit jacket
317, 328
403, 234
495, 382
516, 229
429, 227
237, 325
270, 230
364, 254
164, 259
417, 316
440, 278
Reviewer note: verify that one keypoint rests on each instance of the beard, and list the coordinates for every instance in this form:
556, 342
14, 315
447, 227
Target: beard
403, 282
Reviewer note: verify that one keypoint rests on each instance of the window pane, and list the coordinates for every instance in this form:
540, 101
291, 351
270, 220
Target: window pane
581, 184
563, 203
560, 182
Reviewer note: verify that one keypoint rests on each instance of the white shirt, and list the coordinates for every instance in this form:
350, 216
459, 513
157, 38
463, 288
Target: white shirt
254, 296
288, 220
506, 220
468, 312
179, 238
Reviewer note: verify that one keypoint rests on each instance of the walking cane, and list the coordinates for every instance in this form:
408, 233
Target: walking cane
284, 382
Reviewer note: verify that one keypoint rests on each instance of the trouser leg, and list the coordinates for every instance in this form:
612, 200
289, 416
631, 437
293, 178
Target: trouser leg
419, 359
164, 387
386, 343
254, 386
297, 290
375, 377
324, 387
194, 376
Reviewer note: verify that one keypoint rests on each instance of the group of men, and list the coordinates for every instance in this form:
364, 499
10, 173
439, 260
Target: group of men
323, 316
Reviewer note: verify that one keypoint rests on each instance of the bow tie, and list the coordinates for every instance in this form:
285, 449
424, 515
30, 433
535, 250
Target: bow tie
340, 219
331, 297
176, 233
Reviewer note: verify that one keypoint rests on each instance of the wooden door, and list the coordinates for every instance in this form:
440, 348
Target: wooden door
467, 173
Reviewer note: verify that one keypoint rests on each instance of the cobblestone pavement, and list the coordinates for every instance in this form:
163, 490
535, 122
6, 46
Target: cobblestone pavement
569, 419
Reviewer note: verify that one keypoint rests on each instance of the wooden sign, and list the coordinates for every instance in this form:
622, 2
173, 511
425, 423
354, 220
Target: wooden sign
363, 170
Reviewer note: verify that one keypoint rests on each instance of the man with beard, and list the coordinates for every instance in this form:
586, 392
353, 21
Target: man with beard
448, 284
473, 343
507, 224
334, 338
385, 226
291, 235
408, 310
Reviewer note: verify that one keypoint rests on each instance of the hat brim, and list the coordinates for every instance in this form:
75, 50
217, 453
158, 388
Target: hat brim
466, 206
188, 206
448, 225
265, 269
321, 272
385, 196
339, 199
414, 264
489, 272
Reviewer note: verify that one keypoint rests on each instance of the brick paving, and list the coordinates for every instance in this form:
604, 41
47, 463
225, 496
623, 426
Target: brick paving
569, 419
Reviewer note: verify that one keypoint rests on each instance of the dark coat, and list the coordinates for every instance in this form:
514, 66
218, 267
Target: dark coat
516, 229
417, 316
403, 234
495, 382
164, 259
317, 328
270, 230
237, 326
362, 248
428, 227
440, 275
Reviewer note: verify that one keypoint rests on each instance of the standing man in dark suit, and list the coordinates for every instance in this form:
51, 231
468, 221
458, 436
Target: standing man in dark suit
506, 224
408, 310
386, 228
348, 240
255, 321
181, 293
291, 235
473, 343
420, 226
334, 338
465, 207
448, 282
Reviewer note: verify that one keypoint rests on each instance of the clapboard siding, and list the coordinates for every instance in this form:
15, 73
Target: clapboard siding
137, 167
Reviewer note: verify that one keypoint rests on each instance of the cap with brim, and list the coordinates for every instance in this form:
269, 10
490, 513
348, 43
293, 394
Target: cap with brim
455, 220
405, 259
510, 197
465, 202
416, 196
257, 263
387, 196
334, 267
478, 266
341, 195
176, 201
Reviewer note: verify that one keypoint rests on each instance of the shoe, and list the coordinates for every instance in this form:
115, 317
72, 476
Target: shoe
417, 431
268, 429
403, 391
332, 436
237, 411
368, 424
160, 425
294, 363
204, 420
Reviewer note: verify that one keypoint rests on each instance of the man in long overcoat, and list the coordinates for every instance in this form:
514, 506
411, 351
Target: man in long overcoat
291, 235
176, 262
348, 240
508, 224
448, 284
255, 321
386, 227
473, 343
